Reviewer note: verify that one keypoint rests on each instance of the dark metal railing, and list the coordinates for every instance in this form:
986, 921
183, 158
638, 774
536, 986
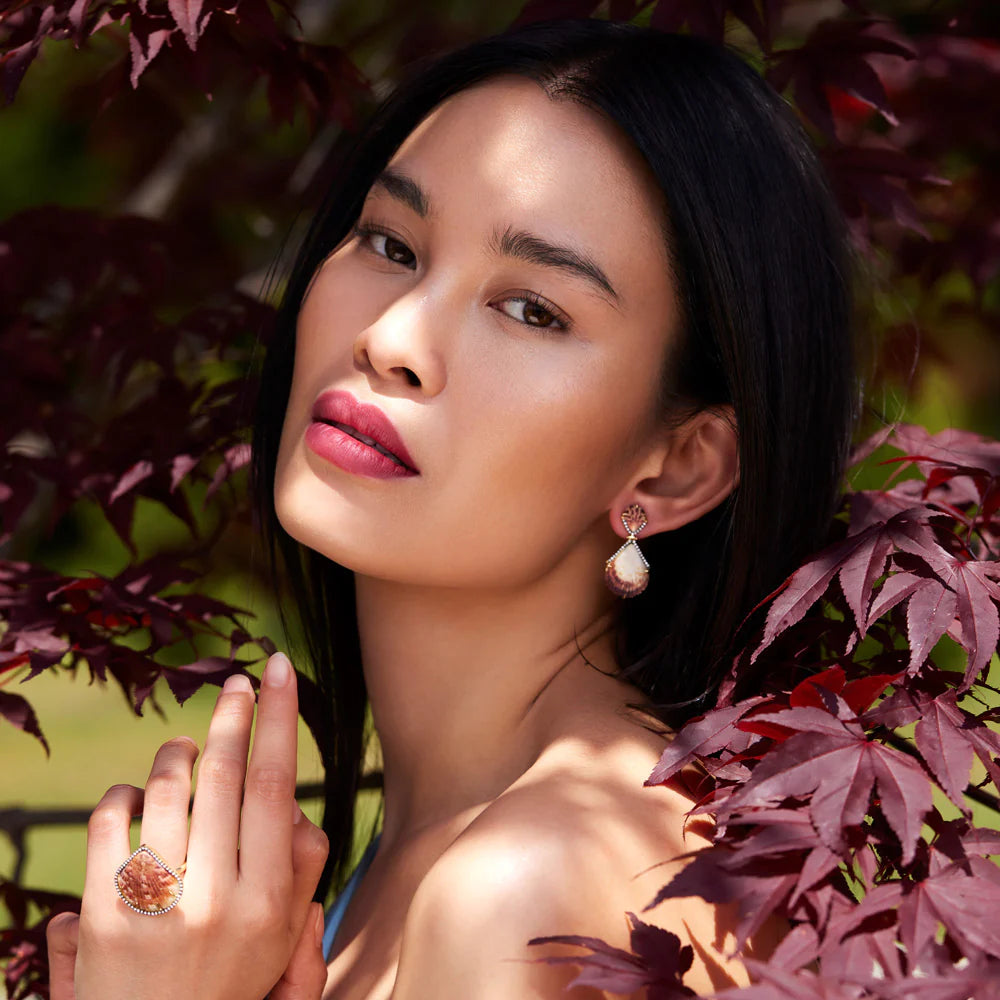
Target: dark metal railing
17, 821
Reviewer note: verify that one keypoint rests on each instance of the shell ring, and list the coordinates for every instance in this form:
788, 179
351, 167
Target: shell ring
147, 884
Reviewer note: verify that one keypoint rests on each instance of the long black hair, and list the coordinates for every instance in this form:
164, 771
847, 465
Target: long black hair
759, 258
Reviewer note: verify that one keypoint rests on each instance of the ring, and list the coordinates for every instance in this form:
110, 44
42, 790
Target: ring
147, 884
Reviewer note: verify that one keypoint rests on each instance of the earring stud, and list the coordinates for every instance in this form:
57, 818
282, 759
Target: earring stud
626, 573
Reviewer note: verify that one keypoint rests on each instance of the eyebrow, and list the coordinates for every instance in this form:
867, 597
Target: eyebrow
510, 243
404, 189
534, 250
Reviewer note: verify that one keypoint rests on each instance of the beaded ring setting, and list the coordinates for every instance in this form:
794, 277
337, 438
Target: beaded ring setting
147, 884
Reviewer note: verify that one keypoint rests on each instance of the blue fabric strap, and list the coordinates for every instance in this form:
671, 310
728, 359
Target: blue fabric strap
335, 915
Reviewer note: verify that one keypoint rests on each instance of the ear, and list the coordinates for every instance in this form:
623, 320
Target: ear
690, 471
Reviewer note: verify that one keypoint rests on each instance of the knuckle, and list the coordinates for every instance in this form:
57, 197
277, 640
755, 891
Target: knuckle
262, 920
117, 796
313, 857
321, 840
103, 822
221, 775
115, 936
271, 783
110, 814
166, 787
233, 705
208, 917
312, 847
59, 932
276, 898
257, 918
98, 931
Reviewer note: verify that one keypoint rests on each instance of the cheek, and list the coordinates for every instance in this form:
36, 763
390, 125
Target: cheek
328, 322
585, 424
297, 416
291, 478
552, 449
323, 353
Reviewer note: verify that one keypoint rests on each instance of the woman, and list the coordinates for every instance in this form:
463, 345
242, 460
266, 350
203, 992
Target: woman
578, 288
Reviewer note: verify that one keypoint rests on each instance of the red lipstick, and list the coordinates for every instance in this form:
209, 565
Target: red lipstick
357, 437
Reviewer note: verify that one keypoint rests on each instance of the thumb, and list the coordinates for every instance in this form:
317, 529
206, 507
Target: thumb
62, 935
305, 976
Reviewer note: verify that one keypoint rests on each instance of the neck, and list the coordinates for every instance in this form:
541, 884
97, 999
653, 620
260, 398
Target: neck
467, 687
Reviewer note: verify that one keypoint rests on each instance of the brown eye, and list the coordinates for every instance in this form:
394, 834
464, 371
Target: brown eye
533, 312
399, 252
382, 244
536, 315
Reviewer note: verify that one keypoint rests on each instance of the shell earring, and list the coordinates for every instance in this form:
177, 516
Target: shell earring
626, 573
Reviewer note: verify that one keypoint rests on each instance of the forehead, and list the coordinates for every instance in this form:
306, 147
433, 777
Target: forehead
506, 151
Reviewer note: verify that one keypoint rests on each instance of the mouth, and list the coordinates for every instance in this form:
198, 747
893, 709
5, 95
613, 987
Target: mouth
364, 439
366, 424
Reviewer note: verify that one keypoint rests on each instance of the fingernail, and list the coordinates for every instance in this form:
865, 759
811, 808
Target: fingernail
237, 682
297, 815
278, 671
319, 927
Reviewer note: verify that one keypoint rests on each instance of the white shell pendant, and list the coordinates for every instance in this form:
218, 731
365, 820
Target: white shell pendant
626, 573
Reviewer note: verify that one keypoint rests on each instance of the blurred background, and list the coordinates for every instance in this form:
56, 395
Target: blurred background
157, 162
143, 225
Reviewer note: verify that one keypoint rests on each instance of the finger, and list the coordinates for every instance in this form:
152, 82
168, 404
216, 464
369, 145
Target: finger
309, 850
305, 977
165, 804
215, 815
62, 935
266, 827
108, 842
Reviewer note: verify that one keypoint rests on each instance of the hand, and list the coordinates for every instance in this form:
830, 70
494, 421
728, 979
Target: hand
303, 979
245, 920
305, 976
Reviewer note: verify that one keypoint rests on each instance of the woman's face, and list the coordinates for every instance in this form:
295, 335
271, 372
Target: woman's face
505, 302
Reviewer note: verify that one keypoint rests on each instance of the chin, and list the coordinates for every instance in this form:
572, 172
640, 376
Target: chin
315, 517
304, 513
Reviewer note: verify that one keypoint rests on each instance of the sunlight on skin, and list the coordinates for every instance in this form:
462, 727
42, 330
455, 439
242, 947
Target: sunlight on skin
514, 798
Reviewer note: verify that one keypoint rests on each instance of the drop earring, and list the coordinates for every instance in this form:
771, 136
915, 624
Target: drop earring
626, 573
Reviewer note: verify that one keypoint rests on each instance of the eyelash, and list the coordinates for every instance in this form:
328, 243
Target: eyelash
364, 231
562, 323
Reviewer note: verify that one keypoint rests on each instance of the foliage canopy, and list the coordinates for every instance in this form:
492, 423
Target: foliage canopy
843, 788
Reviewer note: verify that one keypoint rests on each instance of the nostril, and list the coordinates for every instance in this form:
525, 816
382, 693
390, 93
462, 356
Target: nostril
411, 376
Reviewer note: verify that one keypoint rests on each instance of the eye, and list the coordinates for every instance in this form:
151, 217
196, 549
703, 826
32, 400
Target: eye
533, 310
383, 244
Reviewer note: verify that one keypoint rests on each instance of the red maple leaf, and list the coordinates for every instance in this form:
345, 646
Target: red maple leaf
837, 53
838, 767
657, 962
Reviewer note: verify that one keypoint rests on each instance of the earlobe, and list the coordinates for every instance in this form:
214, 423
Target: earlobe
690, 472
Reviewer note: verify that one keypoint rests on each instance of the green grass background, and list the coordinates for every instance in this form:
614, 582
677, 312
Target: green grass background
96, 741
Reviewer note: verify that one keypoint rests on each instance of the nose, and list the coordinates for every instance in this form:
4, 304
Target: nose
399, 348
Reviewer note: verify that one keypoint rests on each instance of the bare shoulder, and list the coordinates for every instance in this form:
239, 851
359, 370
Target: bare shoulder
569, 849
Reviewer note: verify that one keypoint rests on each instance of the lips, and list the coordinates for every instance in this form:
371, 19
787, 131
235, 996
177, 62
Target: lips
378, 442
